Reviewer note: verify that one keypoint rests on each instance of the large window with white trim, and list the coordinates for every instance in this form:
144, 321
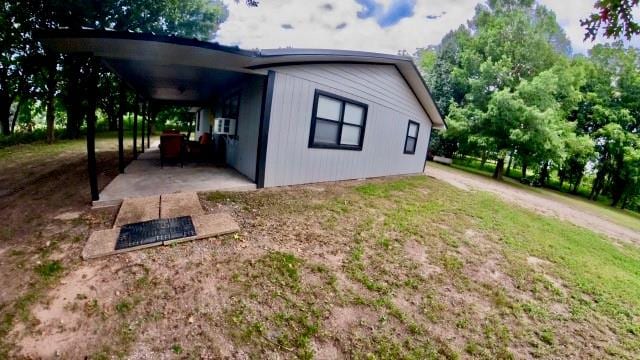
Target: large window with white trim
337, 122
411, 140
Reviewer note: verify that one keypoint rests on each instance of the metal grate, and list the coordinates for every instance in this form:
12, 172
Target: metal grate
152, 231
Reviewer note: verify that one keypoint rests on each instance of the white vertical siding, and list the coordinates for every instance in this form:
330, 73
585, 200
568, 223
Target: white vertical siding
204, 123
391, 105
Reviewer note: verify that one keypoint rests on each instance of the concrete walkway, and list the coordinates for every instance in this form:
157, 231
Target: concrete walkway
135, 210
145, 177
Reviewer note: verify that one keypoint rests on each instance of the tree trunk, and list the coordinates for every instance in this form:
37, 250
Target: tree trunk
510, 162
5, 108
618, 187
544, 173
483, 160
113, 122
75, 94
16, 114
497, 174
625, 201
561, 175
524, 169
597, 185
51, 91
576, 185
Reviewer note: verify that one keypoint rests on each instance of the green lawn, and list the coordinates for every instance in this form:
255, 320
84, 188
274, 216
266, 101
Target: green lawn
628, 218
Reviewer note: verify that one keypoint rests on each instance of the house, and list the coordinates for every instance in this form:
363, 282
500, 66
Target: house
298, 115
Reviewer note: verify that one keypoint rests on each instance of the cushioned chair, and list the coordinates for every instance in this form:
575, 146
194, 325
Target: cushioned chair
201, 149
172, 147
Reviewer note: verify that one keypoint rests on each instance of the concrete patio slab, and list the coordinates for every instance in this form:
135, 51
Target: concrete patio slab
180, 204
103, 242
145, 177
209, 225
134, 210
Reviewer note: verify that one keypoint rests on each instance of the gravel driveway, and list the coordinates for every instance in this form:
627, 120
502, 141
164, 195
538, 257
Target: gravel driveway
531, 199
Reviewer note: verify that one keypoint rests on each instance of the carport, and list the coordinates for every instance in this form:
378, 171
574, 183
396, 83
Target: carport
163, 70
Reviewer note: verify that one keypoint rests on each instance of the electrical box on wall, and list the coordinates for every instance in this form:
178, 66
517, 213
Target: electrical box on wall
224, 126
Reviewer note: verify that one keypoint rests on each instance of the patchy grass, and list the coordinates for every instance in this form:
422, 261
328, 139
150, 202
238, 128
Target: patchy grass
602, 208
49, 269
400, 268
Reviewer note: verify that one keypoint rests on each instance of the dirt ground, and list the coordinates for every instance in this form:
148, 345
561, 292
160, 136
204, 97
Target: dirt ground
379, 269
537, 201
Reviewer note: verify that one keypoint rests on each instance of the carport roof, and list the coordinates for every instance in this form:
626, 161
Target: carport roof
188, 70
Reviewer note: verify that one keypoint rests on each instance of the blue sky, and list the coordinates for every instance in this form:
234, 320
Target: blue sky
389, 15
370, 25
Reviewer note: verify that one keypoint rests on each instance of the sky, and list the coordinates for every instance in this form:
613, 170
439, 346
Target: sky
385, 26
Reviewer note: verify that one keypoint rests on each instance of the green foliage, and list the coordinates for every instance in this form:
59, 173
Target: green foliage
34, 79
615, 17
26, 137
547, 111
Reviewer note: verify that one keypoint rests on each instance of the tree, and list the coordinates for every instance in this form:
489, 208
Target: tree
479, 68
547, 112
580, 151
18, 48
615, 17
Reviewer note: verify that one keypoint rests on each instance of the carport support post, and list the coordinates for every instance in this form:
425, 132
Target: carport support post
135, 129
144, 116
91, 129
120, 128
152, 117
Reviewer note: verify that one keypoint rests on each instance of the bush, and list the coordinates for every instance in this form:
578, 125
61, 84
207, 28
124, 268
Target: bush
27, 137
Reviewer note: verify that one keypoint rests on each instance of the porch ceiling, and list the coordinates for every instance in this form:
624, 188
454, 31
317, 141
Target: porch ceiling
175, 83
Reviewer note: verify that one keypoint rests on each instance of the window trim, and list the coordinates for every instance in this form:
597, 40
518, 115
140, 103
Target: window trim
407, 137
340, 122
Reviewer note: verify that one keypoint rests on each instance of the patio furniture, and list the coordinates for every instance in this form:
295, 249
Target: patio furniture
172, 147
201, 149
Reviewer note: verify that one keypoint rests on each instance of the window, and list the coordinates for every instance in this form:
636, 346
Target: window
231, 106
411, 140
337, 122
231, 110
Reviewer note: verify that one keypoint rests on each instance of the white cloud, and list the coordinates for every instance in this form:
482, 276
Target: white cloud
308, 24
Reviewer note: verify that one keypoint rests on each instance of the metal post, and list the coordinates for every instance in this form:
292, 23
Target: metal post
121, 129
144, 117
91, 130
152, 118
135, 130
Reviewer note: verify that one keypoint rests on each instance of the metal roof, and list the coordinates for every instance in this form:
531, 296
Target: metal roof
189, 70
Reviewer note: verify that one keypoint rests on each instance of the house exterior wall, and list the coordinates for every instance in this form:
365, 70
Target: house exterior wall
391, 104
203, 120
242, 152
